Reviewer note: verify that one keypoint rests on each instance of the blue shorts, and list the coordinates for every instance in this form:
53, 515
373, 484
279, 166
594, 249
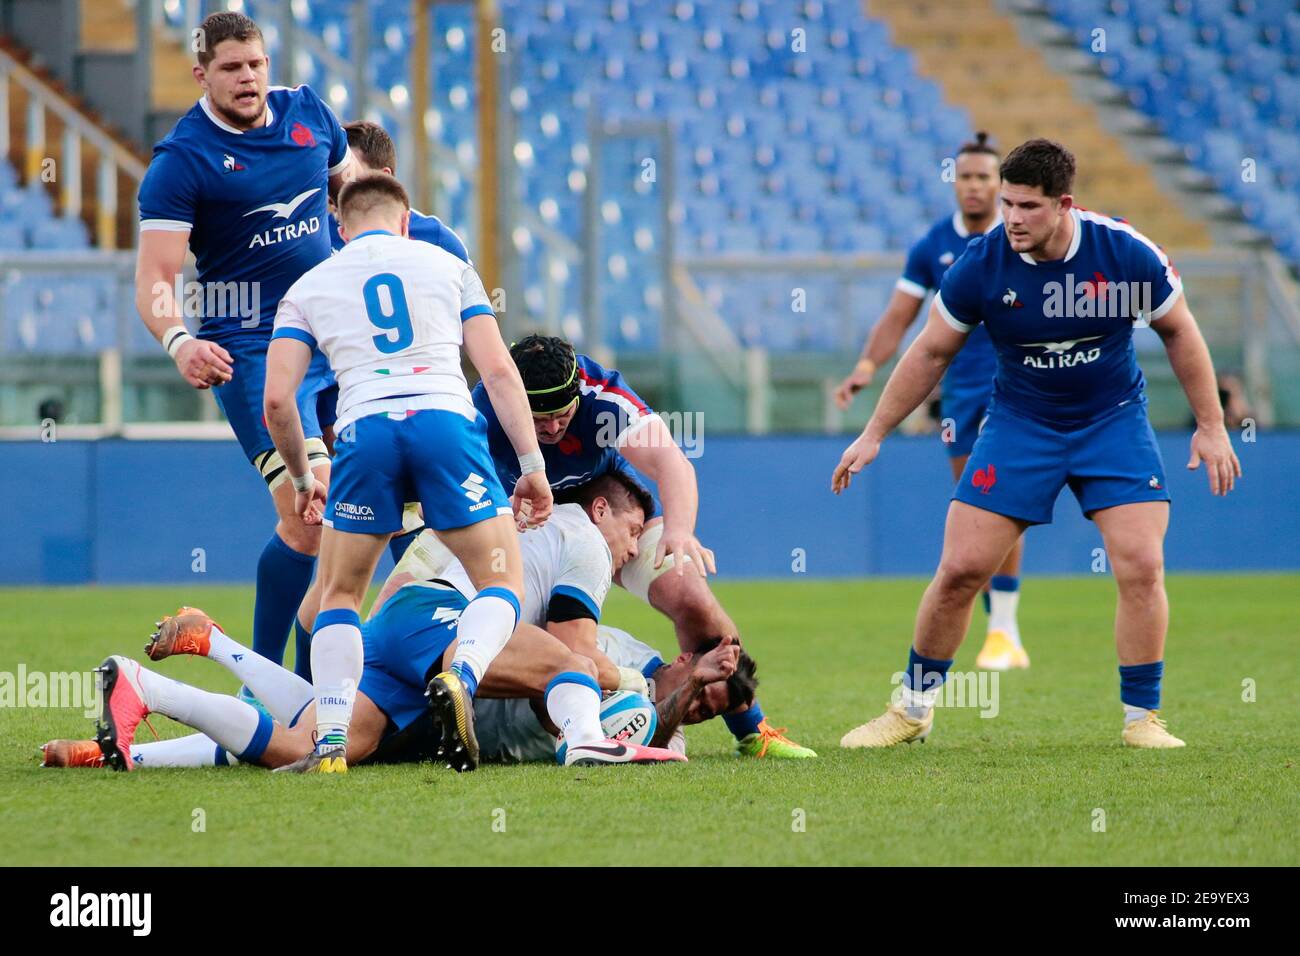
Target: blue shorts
241, 398
327, 406
436, 457
966, 408
404, 645
1019, 466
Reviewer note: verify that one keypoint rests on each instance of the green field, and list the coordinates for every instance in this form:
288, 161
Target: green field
1021, 788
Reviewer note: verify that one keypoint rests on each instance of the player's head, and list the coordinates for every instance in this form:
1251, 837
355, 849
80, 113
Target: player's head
549, 368
233, 68
373, 201
371, 147
618, 507
978, 178
719, 697
1037, 177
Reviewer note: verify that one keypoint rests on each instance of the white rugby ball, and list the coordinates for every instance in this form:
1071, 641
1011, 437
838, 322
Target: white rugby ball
625, 716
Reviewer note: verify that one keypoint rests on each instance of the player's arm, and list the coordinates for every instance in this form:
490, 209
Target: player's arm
578, 634
918, 372
287, 361
882, 343
718, 664
159, 261
652, 451
532, 499
1189, 357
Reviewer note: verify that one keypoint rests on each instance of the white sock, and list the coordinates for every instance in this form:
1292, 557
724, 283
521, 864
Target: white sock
337, 657
1132, 713
227, 720
281, 691
918, 703
483, 629
575, 708
194, 750
1002, 613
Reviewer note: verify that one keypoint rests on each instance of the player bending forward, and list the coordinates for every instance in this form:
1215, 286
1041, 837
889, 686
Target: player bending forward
1068, 409
568, 565
391, 315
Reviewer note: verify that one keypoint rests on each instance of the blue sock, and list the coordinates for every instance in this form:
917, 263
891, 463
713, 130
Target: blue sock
283, 577
1139, 684
924, 673
745, 722
1002, 582
302, 650
397, 546
466, 675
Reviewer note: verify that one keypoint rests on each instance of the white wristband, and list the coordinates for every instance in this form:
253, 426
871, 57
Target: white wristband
174, 338
304, 483
531, 463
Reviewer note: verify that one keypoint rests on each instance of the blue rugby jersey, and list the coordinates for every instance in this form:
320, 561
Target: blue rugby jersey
973, 368
254, 202
1063, 330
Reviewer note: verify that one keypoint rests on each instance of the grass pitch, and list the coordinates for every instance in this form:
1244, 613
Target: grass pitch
1025, 787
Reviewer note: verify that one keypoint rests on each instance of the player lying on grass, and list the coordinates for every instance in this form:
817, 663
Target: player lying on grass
1068, 408
590, 422
568, 567
516, 727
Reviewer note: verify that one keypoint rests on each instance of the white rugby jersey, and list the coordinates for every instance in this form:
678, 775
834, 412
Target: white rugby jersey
387, 313
509, 731
567, 555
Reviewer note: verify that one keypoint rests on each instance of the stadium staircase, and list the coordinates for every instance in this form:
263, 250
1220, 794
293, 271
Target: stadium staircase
979, 58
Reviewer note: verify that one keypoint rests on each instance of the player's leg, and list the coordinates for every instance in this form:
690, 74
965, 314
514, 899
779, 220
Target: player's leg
1134, 538
130, 692
1117, 475
697, 615
975, 542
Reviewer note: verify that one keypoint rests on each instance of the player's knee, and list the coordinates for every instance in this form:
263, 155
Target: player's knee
1141, 569
960, 576
303, 538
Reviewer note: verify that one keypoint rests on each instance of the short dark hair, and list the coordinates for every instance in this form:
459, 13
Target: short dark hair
219, 27
1043, 163
372, 144
980, 145
742, 686
615, 487
369, 190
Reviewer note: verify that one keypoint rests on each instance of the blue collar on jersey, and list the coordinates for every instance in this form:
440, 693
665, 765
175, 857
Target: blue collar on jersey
373, 232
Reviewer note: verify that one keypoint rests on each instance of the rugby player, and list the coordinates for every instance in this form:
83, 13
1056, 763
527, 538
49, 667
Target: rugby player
968, 383
241, 181
406, 429
568, 564
1060, 289
590, 422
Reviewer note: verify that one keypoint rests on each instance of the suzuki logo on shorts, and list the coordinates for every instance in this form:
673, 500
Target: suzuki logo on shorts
474, 487
447, 615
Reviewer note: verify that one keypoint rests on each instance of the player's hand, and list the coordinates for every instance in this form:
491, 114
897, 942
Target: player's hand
856, 381
532, 501
719, 663
1213, 446
204, 364
310, 505
682, 545
856, 457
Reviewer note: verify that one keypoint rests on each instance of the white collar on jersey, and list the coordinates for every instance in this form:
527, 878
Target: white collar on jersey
207, 108
1074, 240
959, 224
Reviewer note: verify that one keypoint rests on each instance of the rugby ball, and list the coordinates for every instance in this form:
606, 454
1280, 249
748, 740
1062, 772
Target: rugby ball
625, 716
